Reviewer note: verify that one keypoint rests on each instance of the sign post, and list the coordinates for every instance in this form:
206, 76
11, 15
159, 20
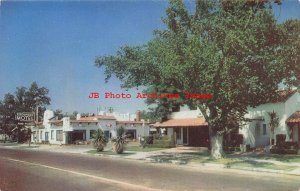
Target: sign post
24, 118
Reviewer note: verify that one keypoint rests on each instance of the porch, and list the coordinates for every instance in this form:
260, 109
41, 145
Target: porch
189, 132
293, 123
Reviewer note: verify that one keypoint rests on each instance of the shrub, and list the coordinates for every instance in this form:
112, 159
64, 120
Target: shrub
280, 138
285, 148
119, 141
100, 140
163, 142
146, 140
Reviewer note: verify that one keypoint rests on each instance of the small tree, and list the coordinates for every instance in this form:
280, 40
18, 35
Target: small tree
100, 140
274, 122
119, 141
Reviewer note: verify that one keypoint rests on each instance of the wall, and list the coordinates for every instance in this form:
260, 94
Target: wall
185, 114
141, 129
121, 116
291, 106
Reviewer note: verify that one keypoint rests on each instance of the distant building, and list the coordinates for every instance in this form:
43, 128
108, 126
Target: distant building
68, 131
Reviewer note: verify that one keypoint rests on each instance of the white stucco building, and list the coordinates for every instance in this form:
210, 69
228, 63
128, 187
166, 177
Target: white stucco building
68, 131
191, 127
256, 133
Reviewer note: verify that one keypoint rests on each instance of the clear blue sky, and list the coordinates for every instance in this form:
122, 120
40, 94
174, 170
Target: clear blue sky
55, 43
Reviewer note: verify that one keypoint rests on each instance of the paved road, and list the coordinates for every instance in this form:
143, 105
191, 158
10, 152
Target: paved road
24, 170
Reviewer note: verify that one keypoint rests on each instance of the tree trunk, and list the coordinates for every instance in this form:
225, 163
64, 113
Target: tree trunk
216, 144
271, 137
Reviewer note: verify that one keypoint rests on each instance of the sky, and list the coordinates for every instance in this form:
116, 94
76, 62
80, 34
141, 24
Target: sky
55, 43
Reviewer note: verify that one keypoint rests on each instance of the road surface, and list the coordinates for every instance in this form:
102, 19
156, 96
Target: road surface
25, 170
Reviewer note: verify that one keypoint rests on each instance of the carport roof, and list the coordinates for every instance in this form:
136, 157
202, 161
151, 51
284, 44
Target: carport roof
294, 118
187, 122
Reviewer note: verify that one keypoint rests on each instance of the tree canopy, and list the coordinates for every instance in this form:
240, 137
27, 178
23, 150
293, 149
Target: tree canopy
234, 50
24, 100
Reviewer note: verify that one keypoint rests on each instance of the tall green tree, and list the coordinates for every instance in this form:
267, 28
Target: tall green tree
7, 115
234, 50
24, 100
58, 113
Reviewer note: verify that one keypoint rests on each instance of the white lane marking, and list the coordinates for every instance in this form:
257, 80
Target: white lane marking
87, 175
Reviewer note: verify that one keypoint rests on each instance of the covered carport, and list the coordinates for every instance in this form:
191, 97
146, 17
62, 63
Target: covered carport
189, 131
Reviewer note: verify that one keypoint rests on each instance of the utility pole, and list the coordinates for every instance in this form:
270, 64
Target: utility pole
37, 114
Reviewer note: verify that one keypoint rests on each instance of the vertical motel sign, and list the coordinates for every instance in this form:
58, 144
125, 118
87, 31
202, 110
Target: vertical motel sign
25, 117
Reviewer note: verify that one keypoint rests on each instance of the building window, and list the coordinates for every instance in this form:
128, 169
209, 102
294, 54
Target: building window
52, 134
92, 134
34, 135
59, 135
264, 129
41, 134
257, 129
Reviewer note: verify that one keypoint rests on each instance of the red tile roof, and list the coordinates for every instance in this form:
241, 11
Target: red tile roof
98, 117
294, 118
56, 122
132, 122
84, 121
188, 122
282, 96
93, 119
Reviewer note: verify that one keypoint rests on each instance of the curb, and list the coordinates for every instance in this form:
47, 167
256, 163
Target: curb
244, 168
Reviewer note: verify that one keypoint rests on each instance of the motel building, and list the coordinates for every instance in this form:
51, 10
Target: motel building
81, 129
189, 126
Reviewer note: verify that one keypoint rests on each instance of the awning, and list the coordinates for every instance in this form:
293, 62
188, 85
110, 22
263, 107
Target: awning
294, 118
187, 122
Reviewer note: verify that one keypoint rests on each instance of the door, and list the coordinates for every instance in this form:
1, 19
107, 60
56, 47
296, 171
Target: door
46, 136
178, 132
131, 133
106, 134
185, 136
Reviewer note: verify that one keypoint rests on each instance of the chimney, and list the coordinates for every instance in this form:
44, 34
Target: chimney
138, 115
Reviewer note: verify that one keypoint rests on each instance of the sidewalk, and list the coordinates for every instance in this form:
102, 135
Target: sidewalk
188, 156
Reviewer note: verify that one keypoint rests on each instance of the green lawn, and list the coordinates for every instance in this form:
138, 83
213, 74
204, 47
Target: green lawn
264, 165
229, 162
185, 157
141, 149
109, 152
27, 147
9, 144
278, 157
